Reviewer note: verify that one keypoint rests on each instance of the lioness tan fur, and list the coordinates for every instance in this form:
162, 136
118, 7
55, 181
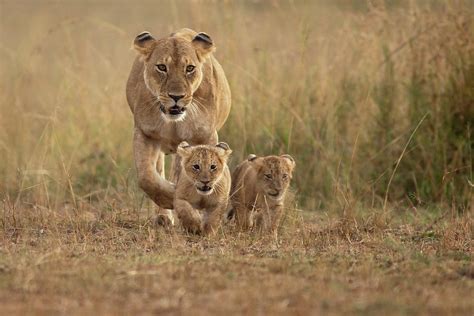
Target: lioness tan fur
259, 185
202, 189
177, 91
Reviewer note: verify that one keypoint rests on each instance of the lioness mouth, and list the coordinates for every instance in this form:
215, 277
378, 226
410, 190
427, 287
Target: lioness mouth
274, 194
174, 110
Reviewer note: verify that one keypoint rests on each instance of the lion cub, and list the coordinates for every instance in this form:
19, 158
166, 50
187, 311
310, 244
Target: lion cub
258, 190
203, 185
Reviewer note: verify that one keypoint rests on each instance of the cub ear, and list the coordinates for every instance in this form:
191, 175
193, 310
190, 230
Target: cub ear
252, 157
183, 149
144, 43
292, 161
203, 45
225, 147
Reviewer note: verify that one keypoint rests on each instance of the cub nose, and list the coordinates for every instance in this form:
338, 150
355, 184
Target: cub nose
176, 98
205, 182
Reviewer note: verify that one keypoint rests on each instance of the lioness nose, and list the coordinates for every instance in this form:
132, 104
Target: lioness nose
175, 97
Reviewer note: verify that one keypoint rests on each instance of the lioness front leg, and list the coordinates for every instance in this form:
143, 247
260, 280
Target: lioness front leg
175, 168
190, 218
147, 157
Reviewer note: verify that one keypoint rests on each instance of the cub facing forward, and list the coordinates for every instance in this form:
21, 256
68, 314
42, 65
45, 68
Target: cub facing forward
202, 189
258, 190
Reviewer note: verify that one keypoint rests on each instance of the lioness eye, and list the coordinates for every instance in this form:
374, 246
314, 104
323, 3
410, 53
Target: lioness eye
213, 167
268, 176
161, 67
190, 68
196, 167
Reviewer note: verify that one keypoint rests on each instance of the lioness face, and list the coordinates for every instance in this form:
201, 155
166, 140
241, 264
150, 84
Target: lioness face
274, 175
173, 70
203, 164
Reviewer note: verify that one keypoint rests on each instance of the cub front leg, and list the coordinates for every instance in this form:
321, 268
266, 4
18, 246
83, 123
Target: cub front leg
277, 214
213, 218
243, 217
189, 217
149, 158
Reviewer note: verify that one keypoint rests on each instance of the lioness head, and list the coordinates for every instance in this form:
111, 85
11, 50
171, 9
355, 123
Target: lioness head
173, 69
204, 164
273, 174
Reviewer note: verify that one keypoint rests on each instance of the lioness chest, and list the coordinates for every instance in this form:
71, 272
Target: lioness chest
171, 134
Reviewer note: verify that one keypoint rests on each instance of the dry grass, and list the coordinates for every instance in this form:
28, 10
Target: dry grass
341, 87
374, 100
116, 262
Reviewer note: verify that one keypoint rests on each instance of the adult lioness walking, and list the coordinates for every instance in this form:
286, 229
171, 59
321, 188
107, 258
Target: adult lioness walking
177, 91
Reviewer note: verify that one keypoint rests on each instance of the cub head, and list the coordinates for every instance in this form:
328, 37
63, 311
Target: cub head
203, 164
274, 174
173, 69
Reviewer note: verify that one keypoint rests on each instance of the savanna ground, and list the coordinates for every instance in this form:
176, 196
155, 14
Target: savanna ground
374, 99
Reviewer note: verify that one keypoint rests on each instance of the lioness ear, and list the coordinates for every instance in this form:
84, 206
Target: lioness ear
144, 43
183, 149
292, 161
203, 45
251, 157
225, 147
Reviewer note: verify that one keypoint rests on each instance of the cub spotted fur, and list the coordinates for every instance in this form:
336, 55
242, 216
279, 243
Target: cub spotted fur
202, 189
258, 190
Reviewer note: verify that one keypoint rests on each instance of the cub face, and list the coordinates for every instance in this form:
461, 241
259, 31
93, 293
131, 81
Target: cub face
173, 70
274, 174
203, 164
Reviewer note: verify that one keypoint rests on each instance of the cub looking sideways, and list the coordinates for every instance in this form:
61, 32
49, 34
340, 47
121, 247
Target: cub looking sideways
202, 189
258, 190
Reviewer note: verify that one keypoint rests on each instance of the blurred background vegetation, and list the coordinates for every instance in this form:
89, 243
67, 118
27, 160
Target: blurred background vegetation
374, 99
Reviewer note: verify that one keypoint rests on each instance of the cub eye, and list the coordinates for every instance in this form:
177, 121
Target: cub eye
190, 68
161, 67
268, 176
213, 167
196, 167
285, 176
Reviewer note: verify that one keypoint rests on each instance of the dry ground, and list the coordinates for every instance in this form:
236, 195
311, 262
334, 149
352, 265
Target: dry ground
119, 262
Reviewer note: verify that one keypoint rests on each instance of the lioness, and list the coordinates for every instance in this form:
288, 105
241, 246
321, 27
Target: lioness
258, 190
177, 91
202, 189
